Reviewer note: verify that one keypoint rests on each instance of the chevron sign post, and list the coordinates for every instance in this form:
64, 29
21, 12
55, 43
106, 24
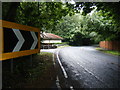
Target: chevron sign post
18, 40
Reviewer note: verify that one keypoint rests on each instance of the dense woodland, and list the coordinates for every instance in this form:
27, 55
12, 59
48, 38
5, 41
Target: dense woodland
76, 23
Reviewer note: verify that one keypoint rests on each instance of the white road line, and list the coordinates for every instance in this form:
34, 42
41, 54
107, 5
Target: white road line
57, 79
53, 60
57, 83
71, 88
93, 75
64, 72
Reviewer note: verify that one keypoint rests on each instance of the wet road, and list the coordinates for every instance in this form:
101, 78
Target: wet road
85, 67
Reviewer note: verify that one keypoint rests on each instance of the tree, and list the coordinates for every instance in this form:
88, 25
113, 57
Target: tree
42, 15
9, 10
96, 26
72, 29
67, 20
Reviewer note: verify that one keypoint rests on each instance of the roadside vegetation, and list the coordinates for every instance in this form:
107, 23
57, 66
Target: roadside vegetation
63, 46
109, 51
26, 76
79, 23
87, 29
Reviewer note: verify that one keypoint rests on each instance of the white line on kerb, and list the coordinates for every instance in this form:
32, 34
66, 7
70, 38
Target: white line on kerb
53, 60
57, 83
71, 88
64, 72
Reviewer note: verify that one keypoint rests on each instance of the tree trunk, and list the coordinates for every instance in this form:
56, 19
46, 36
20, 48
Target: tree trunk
11, 13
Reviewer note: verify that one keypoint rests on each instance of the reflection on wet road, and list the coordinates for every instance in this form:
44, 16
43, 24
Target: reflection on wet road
89, 68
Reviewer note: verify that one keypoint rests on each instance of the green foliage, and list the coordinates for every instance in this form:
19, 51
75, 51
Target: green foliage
104, 25
112, 8
109, 51
5, 7
95, 26
71, 28
79, 39
44, 15
83, 20
9, 10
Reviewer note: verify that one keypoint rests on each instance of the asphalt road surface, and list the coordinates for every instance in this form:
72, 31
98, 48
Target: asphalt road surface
85, 67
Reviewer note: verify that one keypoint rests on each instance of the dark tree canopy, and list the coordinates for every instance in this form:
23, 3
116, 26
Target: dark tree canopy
112, 7
9, 10
62, 19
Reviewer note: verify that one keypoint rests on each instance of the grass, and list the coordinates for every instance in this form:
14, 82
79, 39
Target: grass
109, 51
63, 46
27, 76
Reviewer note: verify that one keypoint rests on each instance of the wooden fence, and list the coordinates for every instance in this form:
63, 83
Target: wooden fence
110, 45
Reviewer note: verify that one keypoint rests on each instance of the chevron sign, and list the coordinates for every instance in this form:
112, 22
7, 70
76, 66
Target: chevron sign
18, 40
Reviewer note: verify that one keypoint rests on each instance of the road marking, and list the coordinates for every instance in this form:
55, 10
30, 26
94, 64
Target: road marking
88, 71
20, 38
71, 88
53, 60
57, 83
64, 72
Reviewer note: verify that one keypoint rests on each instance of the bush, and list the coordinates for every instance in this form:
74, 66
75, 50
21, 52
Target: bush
79, 39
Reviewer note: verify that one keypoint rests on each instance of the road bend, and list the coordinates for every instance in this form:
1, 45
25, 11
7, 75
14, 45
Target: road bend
85, 67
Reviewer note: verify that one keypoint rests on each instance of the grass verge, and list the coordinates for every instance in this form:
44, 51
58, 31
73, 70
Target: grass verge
63, 46
39, 73
109, 51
